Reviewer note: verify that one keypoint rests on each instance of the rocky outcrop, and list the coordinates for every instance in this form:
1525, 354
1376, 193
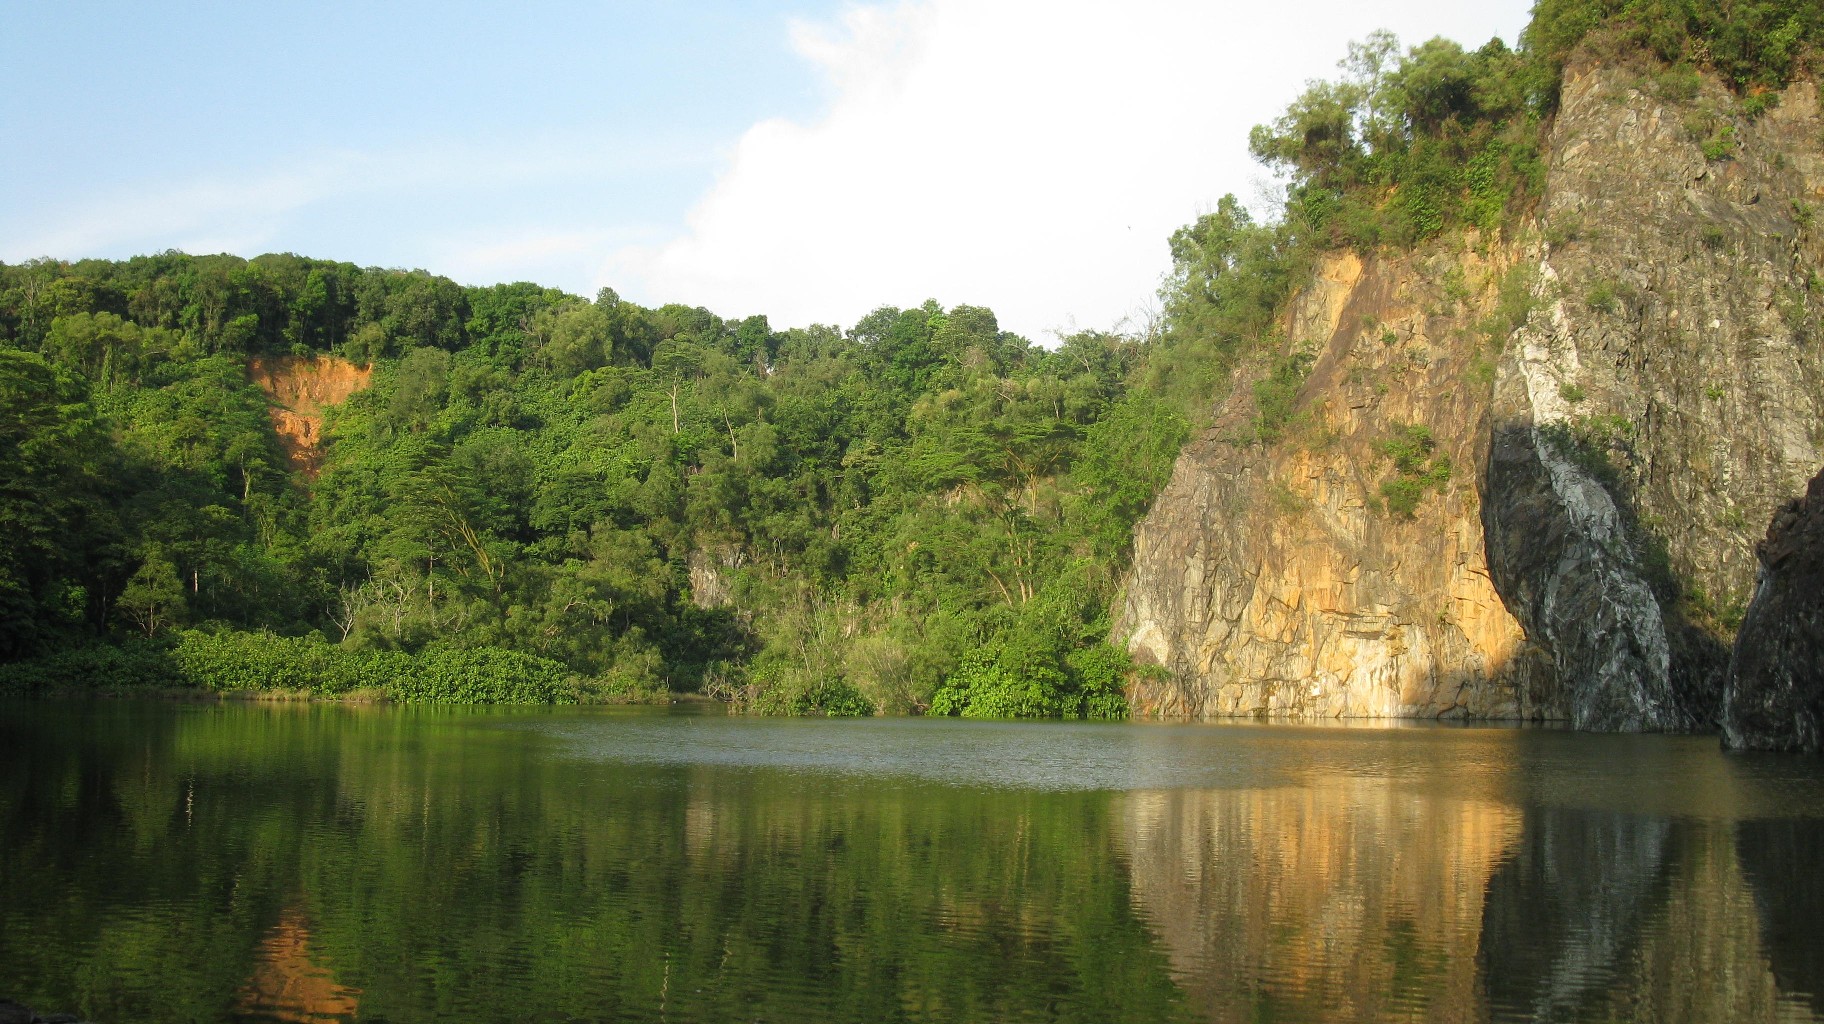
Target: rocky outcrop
301, 389
1775, 698
1275, 579
1620, 389
1662, 395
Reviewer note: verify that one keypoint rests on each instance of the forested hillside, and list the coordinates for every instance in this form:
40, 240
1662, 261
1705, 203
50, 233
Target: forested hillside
541, 496
652, 498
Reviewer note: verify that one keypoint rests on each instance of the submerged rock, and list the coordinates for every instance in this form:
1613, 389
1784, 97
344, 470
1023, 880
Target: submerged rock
1775, 697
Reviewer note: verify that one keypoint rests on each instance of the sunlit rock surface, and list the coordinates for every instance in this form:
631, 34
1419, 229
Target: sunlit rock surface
1648, 393
1267, 582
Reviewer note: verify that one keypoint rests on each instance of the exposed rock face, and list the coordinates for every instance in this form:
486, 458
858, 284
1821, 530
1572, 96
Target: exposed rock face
711, 569
1654, 391
301, 389
1267, 581
1775, 698
1662, 395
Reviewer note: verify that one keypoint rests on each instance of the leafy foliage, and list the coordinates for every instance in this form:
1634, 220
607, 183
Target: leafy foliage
1418, 468
806, 521
1406, 145
1753, 44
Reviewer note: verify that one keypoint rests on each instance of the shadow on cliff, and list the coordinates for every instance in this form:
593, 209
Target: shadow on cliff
1570, 586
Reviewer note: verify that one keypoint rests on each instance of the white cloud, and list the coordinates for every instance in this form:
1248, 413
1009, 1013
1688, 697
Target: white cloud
1027, 155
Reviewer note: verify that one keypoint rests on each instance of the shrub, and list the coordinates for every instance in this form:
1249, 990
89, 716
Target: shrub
1601, 297
235, 662
998, 682
1417, 471
1721, 143
1276, 396
137, 665
482, 675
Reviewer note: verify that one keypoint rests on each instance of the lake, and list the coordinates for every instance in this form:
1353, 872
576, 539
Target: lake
215, 862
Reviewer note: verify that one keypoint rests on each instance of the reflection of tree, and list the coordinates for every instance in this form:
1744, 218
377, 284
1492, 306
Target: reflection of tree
160, 863
451, 867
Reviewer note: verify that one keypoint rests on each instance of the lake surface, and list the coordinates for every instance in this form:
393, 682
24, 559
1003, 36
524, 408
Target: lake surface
210, 862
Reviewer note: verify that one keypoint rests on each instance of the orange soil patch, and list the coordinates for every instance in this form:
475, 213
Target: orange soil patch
300, 389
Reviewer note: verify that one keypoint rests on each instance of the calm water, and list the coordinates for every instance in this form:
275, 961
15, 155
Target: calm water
163, 862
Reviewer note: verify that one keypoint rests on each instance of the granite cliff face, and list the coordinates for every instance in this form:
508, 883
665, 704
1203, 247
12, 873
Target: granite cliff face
1665, 394
1775, 697
1271, 579
1620, 389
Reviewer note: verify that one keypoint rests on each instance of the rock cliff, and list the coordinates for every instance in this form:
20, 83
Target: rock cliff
1274, 578
1664, 395
1518, 479
1775, 697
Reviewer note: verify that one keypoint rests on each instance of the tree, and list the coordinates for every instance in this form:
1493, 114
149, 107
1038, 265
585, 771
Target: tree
154, 596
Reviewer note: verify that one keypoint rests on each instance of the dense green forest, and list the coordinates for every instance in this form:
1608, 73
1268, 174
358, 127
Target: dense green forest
650, 498
542, 496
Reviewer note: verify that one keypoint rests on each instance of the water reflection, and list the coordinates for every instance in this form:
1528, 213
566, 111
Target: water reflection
289, 985
163, 862
1347, 900
1782, 860
1338, 900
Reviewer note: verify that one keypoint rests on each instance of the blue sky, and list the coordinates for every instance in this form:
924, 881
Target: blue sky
805, 160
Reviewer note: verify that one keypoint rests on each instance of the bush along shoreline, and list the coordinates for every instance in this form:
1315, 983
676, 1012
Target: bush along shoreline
256, 664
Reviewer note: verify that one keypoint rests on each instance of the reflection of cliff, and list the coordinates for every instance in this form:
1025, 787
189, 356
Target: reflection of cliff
1365, 899
1781, 860
1608, 916
1564, 910
1342, 900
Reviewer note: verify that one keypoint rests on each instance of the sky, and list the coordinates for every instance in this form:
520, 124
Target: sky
804, 159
